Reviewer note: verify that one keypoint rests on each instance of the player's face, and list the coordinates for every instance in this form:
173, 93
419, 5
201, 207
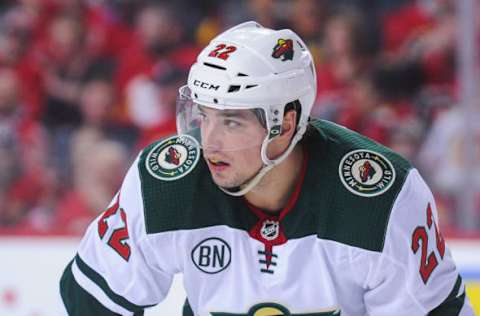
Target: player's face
231, 142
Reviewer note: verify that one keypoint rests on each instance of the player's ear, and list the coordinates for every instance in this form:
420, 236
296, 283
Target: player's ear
289, 124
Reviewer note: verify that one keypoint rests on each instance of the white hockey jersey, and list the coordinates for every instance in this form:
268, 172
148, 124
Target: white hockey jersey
359, 236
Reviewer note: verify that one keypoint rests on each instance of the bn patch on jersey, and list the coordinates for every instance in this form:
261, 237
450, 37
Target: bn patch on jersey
173, 158
366, 173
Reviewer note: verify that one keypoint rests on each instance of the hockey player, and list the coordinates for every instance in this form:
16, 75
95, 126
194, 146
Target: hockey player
264, 210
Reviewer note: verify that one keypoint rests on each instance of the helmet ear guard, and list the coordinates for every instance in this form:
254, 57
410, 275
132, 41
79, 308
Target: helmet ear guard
252, 67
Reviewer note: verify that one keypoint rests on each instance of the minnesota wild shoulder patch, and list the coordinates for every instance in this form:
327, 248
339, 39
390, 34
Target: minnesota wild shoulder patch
366, 173
173, 158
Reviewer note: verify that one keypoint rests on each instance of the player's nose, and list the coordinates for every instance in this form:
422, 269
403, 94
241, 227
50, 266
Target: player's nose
211, 138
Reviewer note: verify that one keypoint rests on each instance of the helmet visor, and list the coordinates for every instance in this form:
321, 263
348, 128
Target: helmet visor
218, 127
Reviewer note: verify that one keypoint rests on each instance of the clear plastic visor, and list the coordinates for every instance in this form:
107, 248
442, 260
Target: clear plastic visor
220, 128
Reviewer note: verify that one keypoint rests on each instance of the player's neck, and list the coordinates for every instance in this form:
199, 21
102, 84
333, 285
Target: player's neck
276, 187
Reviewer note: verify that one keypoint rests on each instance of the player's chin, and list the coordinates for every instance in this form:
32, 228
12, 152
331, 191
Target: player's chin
224, 182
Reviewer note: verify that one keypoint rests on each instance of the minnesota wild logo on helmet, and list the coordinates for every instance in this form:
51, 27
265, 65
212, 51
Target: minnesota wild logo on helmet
173, 157
366, 173
284, 49
273, 309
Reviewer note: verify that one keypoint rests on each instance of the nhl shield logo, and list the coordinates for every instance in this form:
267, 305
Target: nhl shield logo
173, 158
270, 230
366, 173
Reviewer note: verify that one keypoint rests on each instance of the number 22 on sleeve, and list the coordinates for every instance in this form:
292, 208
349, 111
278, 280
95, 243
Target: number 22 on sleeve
420, 234
118, 238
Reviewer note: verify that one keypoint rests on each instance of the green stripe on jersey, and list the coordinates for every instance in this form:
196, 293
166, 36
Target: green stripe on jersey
187, 309
102, 283
453, 304
79, 302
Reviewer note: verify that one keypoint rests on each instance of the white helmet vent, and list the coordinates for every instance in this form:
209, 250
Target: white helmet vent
233, 88
300, 44
215, 66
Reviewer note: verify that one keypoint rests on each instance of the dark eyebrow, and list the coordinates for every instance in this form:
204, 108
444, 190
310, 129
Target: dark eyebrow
233, 113
228, 113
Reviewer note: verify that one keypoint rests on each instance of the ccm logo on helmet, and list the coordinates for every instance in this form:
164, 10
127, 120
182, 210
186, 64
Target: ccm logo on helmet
205, 85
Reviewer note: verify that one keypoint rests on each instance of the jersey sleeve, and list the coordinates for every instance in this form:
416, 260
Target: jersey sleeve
115, 271
415, 273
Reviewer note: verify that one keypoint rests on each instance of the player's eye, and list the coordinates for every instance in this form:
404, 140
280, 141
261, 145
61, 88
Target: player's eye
230, 123
202, 116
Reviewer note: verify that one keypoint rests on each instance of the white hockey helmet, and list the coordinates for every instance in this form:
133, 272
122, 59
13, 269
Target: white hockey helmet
251, 67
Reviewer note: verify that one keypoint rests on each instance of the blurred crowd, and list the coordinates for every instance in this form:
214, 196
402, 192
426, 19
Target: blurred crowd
85, 84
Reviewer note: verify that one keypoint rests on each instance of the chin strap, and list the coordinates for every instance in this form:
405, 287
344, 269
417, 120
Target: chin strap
268, 164
247, 186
